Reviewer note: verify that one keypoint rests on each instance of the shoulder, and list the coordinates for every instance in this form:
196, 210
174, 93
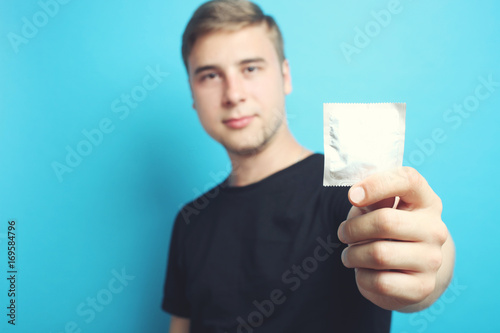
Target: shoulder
331, 201
333, 198
191, 211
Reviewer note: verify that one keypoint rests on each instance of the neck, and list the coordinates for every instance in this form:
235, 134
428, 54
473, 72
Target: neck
280, 153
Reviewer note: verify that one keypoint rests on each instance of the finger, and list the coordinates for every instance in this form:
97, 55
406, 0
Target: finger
406, 288
386, 203
386, 223
391, 255
404, 182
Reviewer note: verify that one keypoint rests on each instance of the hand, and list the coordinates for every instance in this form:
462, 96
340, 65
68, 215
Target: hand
396, 252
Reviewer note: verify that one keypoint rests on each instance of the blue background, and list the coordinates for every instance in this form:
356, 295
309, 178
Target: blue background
114, 210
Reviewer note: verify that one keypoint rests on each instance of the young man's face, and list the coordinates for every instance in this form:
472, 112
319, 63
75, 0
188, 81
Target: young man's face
238, 86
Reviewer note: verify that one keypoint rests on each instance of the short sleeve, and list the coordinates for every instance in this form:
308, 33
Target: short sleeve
174, 298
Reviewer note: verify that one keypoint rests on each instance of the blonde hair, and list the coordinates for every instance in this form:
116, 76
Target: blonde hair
228, 15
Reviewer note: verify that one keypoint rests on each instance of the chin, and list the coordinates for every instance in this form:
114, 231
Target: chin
244, 150
241, 147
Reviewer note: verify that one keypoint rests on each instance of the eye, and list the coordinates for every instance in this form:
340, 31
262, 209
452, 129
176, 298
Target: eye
251, 69
209, 76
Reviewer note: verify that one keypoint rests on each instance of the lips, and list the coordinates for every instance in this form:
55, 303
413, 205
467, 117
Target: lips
238, 123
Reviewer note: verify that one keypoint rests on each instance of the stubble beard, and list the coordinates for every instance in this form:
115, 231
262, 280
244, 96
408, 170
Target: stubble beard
258, 141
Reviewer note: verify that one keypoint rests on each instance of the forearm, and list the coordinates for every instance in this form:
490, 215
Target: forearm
444, 275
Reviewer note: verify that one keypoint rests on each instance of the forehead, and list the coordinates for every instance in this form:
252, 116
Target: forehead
224, 48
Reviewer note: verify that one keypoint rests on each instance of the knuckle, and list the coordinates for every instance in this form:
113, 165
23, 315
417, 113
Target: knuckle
427, 286
381, 285
413, 177
380, 253
411, 174
388, 221
438, 204
435, 260
441, 233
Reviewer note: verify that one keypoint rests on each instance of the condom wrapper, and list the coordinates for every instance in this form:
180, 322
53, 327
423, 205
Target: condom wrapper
361, 139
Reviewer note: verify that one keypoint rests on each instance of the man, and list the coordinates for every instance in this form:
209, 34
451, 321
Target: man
263, 253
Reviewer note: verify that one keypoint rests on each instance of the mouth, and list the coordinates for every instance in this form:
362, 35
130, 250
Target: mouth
238, 123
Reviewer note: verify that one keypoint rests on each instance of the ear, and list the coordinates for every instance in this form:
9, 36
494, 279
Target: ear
287, 77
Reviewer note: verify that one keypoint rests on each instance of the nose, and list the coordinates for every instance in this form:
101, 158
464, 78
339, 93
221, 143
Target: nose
234, 91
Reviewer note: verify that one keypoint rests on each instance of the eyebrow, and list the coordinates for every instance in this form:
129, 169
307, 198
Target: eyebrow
252, 60
242, 62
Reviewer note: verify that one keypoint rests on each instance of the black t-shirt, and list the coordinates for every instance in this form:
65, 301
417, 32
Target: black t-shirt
266, 258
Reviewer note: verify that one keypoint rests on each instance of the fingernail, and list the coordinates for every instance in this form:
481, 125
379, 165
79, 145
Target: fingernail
344, 257
341, 232
357, 194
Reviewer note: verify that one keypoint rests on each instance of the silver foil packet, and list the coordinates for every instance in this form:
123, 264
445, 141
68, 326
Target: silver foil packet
361, 139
